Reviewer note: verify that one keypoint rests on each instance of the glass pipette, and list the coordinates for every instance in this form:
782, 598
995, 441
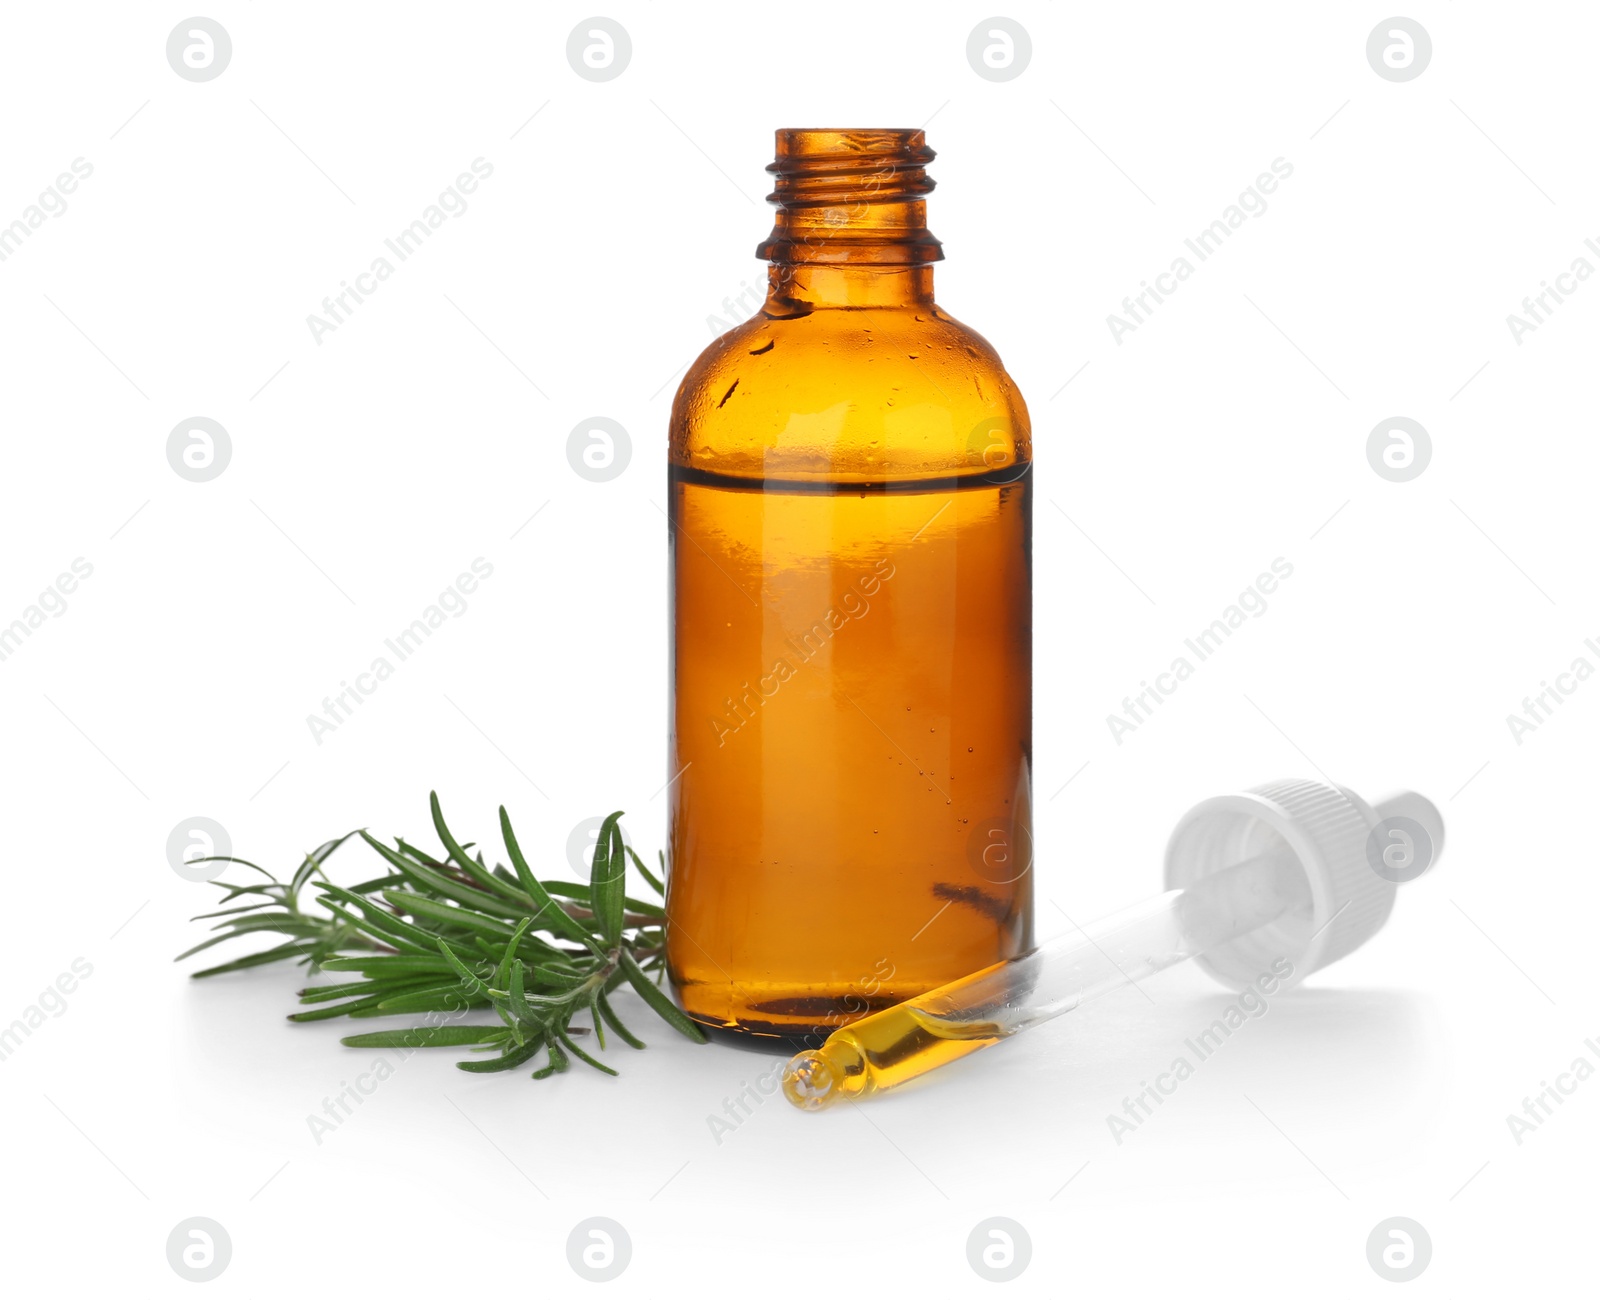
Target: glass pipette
1297, 872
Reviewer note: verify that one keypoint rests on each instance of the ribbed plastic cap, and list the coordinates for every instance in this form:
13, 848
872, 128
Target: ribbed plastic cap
1354, 856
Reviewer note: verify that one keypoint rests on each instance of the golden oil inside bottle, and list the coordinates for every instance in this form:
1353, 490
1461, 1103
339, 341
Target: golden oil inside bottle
851, 725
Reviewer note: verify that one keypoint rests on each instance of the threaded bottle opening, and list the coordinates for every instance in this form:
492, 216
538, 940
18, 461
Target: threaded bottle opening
822, 167
852, 196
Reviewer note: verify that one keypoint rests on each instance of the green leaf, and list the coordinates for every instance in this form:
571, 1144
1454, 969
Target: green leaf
430, 1036
323, 852
421, 906
508, 1061
332, 992
616, 1024
572, 889
559, 921
503, 976
342, 1008
606, 880
517, 998
232, 911
430, 880
472, 982
658, 1001
285, 928
381, 919
281, 953
474, 868
379, 965
644, 871
412, 851
377, 882
367, 934
558, 1062
243, 862
237, 891
285, 923
583, 1055
313, 862
439, 997
558, 978
536, 1002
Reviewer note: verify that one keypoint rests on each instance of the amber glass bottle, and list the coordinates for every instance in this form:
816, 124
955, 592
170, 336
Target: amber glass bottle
850, 533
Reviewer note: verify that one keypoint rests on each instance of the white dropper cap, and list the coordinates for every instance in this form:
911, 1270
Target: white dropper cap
1353, 855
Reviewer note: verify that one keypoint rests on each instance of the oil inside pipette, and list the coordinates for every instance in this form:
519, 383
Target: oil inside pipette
889, 1048
926, 1032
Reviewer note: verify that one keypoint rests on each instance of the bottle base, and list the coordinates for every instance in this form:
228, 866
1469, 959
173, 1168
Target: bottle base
787, 1023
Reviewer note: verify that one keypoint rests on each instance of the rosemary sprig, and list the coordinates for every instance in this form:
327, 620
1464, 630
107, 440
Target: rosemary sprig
443, 937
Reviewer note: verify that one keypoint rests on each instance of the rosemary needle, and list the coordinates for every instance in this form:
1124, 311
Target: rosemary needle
443, 937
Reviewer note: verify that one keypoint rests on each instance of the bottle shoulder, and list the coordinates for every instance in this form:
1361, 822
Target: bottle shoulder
849, 392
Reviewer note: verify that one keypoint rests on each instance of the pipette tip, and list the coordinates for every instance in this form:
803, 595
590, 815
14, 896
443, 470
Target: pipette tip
809, 1081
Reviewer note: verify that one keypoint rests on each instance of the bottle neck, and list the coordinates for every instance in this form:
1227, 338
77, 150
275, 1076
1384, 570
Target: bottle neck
795, 289
851, 228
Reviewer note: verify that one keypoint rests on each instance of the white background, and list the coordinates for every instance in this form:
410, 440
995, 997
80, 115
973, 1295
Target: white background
369, 469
